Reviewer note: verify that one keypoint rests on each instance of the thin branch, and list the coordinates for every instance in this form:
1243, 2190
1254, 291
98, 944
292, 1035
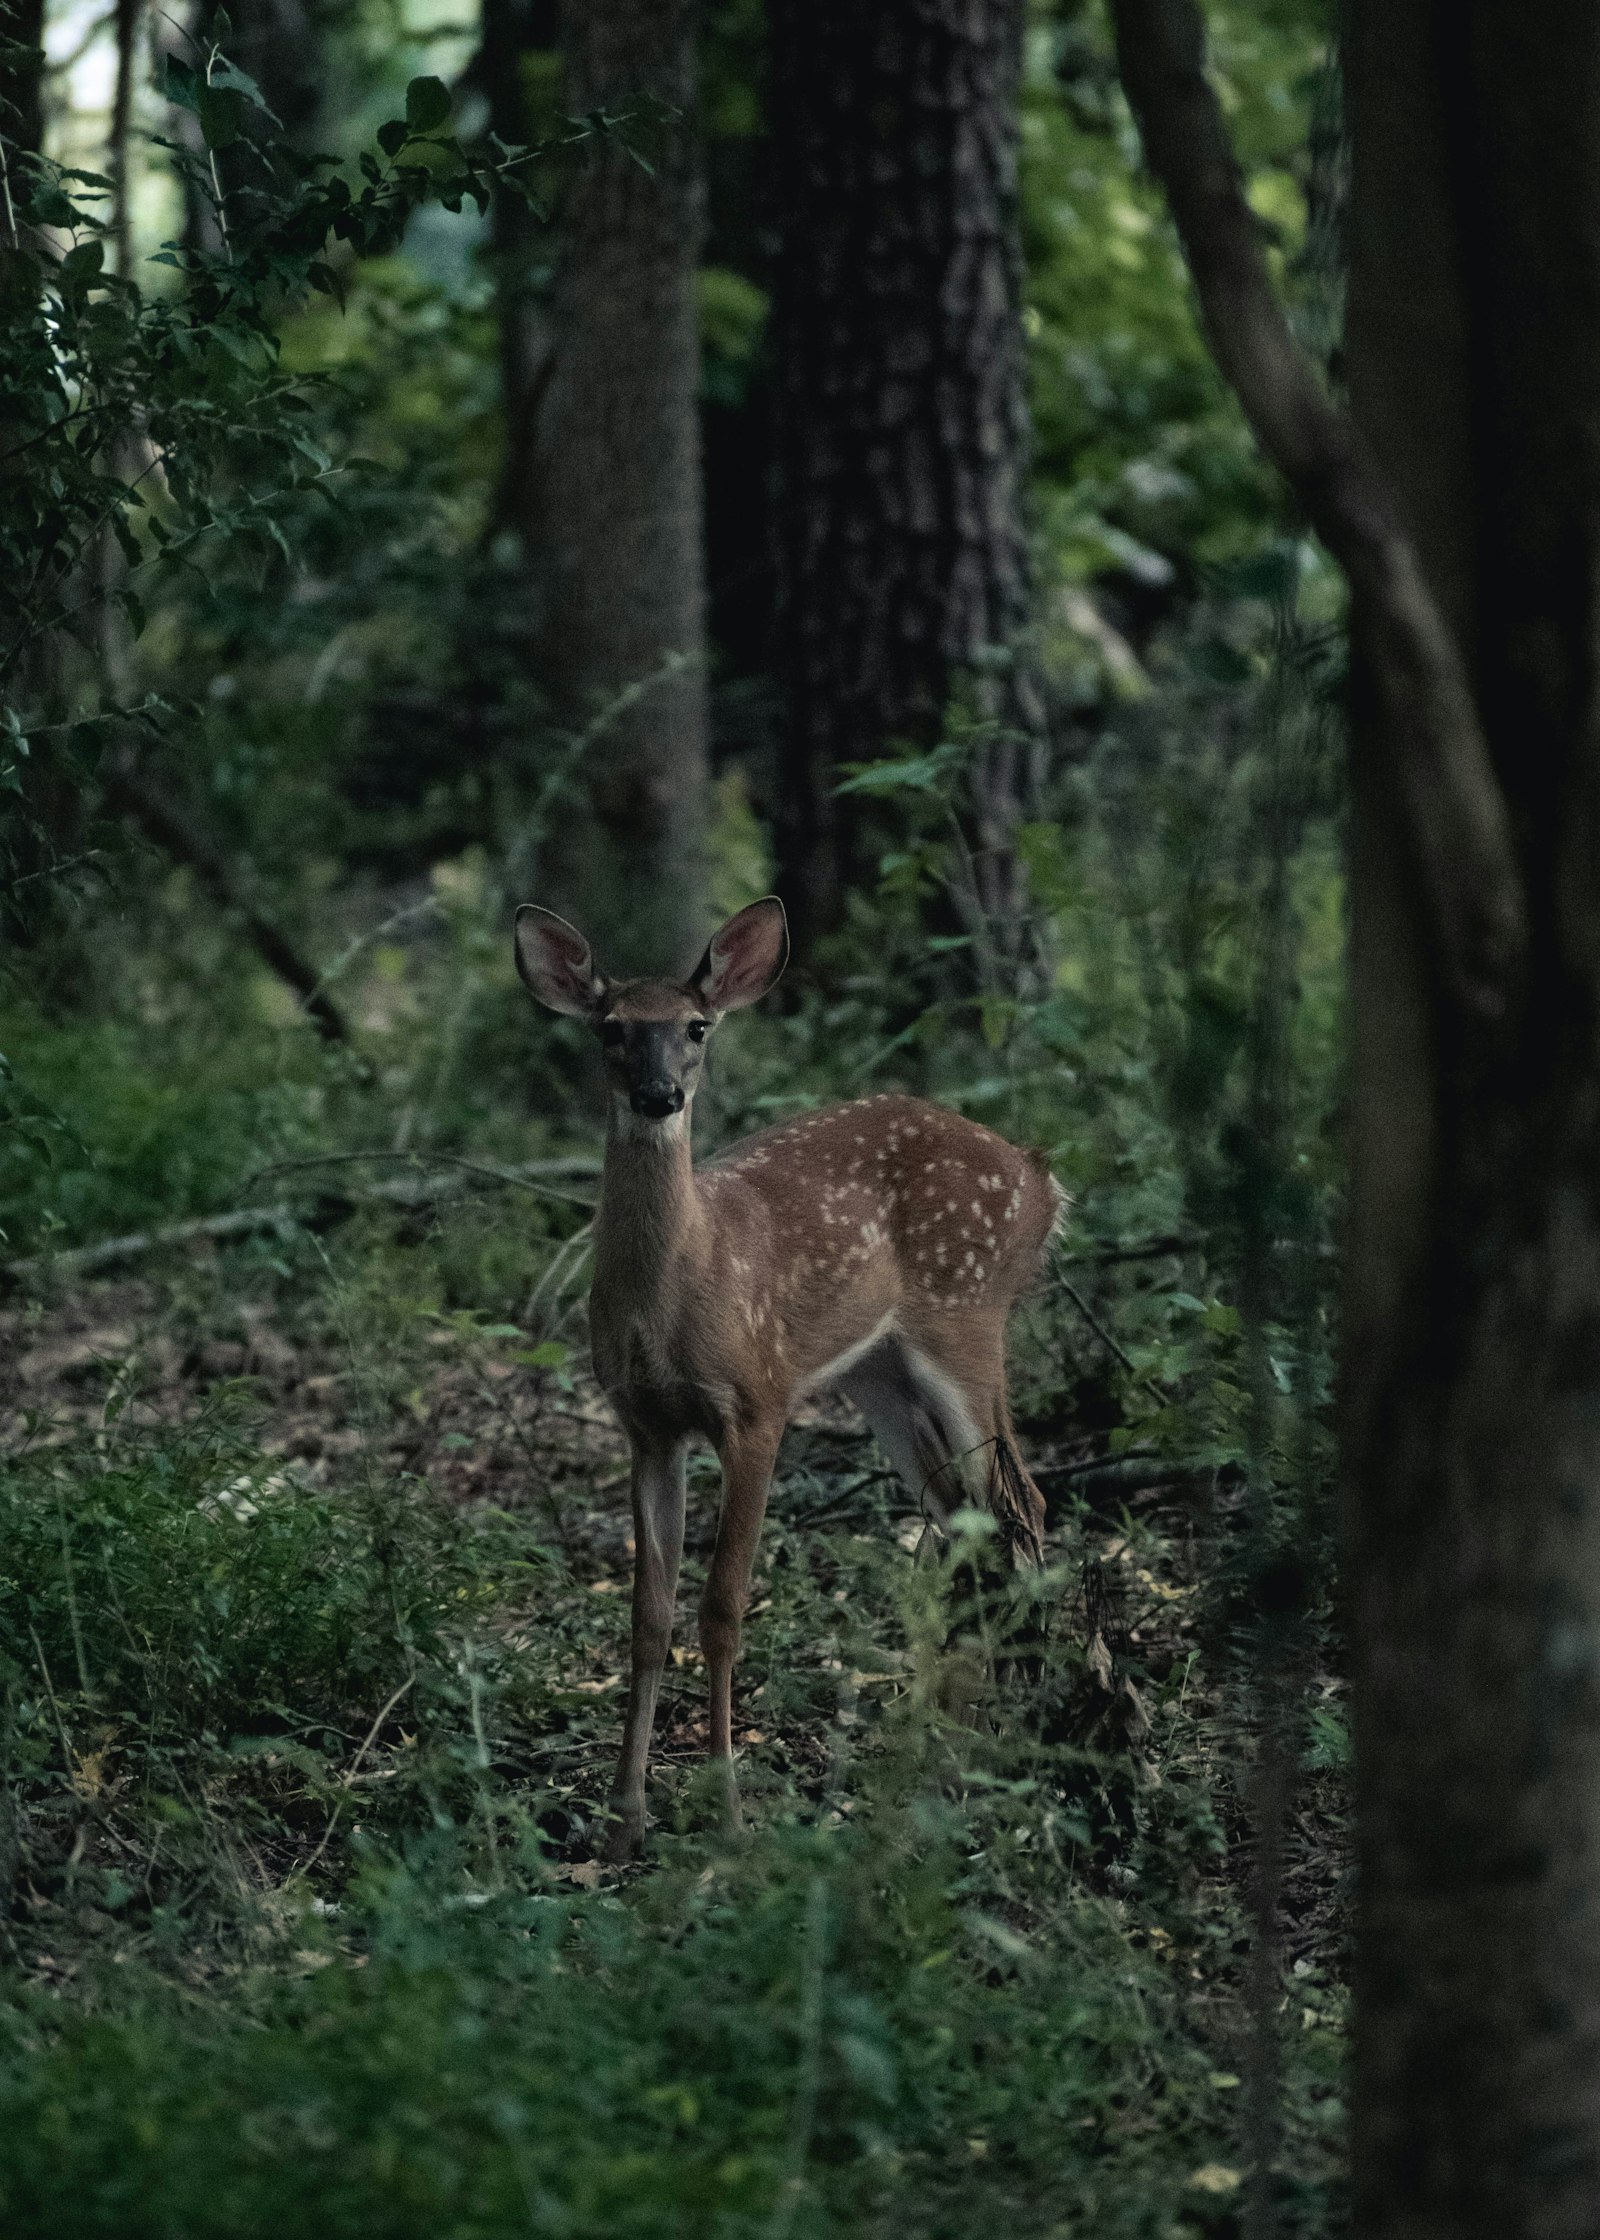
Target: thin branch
170, 828
1112, 1345
410, 1192
347, 1780
427, 1187
1457, 818
111, 1252
1104, 1255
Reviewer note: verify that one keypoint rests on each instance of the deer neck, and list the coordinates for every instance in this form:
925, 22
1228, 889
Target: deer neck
650, 1217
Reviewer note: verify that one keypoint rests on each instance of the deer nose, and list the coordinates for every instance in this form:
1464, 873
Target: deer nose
657, 1100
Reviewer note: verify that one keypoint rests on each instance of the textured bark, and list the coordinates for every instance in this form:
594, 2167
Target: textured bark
899, 406
607, 491
1472, 1422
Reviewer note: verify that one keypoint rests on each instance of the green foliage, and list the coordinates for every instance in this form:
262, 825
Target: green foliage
167, 422
268, 1780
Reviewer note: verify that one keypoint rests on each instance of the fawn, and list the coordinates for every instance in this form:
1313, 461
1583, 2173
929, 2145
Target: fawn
878, 1246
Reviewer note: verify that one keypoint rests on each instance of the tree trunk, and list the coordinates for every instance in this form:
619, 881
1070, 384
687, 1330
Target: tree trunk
607, 493
1464, 503
1472, 1378
280, 44
900, 409
125, 23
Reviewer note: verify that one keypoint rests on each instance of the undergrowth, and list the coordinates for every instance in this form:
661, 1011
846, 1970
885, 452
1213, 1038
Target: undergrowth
313, 1605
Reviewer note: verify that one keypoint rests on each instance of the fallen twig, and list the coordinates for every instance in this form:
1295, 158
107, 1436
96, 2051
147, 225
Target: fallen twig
428, 1186
422, 1189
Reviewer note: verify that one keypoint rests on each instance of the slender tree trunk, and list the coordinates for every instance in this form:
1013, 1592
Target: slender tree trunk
1473, 1314
608, 488
900, 410
126, 23
520, 37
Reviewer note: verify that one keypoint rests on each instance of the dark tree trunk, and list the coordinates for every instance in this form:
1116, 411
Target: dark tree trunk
1473, 1315
125, 20
606, 480
279, 42
520, 37
1465, 505
900, 408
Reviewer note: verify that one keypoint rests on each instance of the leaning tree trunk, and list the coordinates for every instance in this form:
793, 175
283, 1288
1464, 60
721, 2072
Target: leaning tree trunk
898, 369
1473, 1320
1464, 504
608, 489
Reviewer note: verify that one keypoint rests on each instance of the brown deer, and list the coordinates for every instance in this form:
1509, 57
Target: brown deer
877, 1246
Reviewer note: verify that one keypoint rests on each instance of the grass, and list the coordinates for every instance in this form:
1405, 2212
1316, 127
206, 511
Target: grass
303, 1756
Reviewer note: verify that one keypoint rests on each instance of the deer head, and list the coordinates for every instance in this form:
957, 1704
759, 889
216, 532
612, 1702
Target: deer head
653, 1033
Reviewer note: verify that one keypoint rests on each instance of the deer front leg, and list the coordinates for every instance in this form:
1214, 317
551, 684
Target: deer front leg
747, 1458
658, 1506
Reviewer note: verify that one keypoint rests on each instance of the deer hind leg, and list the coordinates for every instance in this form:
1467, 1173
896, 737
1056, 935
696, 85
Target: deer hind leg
747, 1457
658, 1511
942, 1420
925, 1423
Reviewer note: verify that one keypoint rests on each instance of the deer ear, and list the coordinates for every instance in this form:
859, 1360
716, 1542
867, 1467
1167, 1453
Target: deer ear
744, 960
556, 963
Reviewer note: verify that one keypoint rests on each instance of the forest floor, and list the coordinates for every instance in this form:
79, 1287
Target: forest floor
313, 1623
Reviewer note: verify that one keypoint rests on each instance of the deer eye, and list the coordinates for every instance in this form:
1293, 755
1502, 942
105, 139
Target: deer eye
696, 1030
612, 1033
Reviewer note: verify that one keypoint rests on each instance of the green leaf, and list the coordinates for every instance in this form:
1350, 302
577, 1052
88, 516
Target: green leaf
181, 84
922, 773
221, 113
427, 104
227, 74
392, 137
326, 281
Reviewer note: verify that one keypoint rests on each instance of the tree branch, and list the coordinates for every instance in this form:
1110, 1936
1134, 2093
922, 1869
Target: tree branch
410, 1192
1456, 815
167, 825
